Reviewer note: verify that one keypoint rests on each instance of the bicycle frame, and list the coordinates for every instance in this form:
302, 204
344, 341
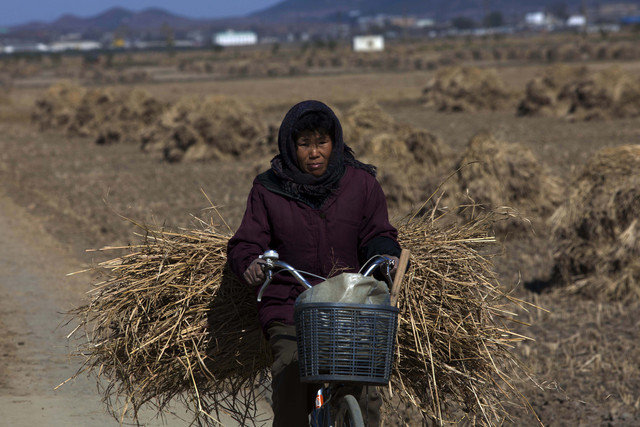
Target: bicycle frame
322, 415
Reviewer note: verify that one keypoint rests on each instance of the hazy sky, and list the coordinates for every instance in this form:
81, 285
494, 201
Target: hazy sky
22, 11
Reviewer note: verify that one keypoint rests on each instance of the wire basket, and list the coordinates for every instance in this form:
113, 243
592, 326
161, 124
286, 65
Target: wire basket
340, 342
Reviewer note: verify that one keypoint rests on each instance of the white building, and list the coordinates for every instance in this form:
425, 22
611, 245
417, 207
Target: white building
368, 43
24, 47
425, 23
75, 45
577, 21
536, 19
235, 38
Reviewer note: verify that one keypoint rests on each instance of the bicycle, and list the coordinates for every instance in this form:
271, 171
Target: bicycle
342, 344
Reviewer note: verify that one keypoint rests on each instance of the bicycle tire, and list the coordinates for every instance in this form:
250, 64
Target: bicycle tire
349, 413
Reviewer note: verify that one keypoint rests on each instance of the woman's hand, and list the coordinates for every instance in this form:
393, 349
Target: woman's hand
396, 261
254, 274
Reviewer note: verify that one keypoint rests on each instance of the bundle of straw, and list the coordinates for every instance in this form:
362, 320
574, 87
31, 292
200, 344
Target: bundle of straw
454, 345
171, 322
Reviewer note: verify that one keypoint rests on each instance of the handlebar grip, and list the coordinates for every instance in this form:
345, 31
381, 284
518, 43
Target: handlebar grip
397, 281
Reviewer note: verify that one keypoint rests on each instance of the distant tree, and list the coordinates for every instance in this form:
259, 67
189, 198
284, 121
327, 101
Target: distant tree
56, 58
108, 60
318, 44
463, 23
493, 19
90, 58
169, 36
559, 9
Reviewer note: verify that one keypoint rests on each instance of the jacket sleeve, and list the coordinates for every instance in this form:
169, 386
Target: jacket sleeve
253, 235
377, 235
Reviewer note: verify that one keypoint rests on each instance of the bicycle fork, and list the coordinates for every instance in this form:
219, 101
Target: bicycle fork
320, 416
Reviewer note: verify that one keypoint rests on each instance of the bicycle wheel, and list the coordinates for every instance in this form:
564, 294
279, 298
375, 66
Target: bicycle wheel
349, 414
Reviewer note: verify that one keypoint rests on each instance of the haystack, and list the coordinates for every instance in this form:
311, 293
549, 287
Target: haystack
200, 129
575, 94
597, 230
57, 106
364, 119
542, 95
376, 136
110, 77
105, 115
465, 89
406, 156
497, 175
170, 323
608, 94
6, 82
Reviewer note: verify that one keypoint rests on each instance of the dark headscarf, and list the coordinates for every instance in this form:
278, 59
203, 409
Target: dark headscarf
285, 165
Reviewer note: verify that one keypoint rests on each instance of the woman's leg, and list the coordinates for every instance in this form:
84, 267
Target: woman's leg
292, 400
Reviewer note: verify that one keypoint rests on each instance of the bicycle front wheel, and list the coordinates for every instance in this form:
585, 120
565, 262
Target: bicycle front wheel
349, 414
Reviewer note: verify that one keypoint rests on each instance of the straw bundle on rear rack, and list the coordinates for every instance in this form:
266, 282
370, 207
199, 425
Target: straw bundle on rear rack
171, 323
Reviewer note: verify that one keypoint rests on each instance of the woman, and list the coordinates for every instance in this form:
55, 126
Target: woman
322, 211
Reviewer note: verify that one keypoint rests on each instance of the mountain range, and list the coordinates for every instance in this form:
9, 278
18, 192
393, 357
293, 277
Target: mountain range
296, 12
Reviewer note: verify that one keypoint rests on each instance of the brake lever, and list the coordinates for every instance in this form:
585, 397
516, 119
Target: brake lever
387, 272
267, 280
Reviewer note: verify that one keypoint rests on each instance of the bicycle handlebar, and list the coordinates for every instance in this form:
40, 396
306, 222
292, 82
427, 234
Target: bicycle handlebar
272, 262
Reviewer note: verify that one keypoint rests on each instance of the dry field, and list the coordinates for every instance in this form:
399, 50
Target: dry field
585, 353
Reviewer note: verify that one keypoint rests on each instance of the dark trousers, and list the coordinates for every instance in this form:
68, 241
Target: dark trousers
292, 400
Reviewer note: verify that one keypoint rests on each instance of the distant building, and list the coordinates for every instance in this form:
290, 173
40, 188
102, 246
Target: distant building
83, 45
577, 21
24, 47
368, 43
536, 19
235, 38
425, 23
542, 21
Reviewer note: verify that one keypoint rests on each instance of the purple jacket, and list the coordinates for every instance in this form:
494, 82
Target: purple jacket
351, 226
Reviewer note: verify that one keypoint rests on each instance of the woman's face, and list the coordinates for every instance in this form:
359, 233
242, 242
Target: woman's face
313, 151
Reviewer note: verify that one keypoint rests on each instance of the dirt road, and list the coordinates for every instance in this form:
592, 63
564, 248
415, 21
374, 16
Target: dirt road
34, 291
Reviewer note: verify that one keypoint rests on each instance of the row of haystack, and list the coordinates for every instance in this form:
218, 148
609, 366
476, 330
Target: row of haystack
488, 175
245, 68
594, 222
561, 91
171, 322
202, 129
466, 89
405, 59
562, 52
190, 129
103, 114
109, 77
576, 94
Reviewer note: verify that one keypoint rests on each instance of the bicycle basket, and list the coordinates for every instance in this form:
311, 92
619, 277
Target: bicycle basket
339, 342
